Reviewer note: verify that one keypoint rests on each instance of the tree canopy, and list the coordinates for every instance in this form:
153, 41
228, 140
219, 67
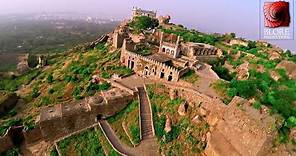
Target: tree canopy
143, 23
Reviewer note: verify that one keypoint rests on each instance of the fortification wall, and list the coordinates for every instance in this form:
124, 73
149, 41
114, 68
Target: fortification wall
6, 143
33, 135
212, 107
9, 102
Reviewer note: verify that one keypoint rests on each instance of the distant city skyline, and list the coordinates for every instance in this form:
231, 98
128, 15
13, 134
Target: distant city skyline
211, 16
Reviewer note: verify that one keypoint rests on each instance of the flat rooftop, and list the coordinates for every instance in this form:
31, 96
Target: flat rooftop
159, 58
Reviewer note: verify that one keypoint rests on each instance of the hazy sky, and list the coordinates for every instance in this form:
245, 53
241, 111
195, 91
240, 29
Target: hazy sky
239, 16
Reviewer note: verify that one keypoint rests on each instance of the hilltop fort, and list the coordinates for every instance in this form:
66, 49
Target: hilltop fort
185, 87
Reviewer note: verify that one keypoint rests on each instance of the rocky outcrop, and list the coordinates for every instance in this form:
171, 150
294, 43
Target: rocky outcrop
7, 102
197, 119
173, 94
182, 110
168, 124
243, 71
290, 68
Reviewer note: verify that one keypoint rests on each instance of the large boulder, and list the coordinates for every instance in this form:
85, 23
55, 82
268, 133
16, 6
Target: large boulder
168, 124
202, 111
197, 119
290, 68
293, 134
182, 110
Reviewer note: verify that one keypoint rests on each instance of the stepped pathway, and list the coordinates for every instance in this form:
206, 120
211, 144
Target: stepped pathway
145, 112
148, 145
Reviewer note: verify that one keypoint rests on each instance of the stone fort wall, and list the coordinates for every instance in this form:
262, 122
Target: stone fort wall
61, 120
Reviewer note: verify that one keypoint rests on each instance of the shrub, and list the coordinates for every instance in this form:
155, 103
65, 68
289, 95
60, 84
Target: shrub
50, 78
257, 105
51, 91
159, 122
32, 61
173, 134
45, 101
54, 152
35, 93
291, 122
105, 75
223, 73
135, 132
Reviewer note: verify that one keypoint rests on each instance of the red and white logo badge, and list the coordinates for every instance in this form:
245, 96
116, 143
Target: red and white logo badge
276, 14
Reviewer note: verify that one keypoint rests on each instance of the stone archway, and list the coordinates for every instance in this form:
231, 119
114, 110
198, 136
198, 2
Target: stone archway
146, 71
170, 77
161, 75
99, 117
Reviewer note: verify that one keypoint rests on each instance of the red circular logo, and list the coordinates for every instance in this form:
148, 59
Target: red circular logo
277, 14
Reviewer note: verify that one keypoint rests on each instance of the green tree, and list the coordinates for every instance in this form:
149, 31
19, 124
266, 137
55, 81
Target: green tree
141, 23
32, 61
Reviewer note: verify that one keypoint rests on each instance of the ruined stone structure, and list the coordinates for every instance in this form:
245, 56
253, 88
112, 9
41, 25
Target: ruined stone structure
164, 20
23, 65
119, 34
200, 51
242, 131
139, 12
149, 66
171, 61
60, 120
170, 47
173, 58
63, 119
42, 61
238, 42
7, 102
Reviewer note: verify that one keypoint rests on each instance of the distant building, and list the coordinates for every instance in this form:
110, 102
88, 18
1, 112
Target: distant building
139, 12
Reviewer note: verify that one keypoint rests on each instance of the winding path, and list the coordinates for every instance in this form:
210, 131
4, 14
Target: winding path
114, 140
148, 145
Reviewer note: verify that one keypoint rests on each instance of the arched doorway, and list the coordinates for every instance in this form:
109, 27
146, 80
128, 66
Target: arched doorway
146, 71
170, 77
162, 74
99, 117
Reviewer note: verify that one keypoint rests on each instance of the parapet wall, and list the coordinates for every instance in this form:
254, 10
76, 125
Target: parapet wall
6, 143
33, 135
9, 102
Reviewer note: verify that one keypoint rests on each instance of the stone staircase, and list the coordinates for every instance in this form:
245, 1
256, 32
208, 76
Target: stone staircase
145, 112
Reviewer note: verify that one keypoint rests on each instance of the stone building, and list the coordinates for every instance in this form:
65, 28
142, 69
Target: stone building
169, 60
172, 60
119, 34
154, 66
171, 46
140, 12
200, 51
